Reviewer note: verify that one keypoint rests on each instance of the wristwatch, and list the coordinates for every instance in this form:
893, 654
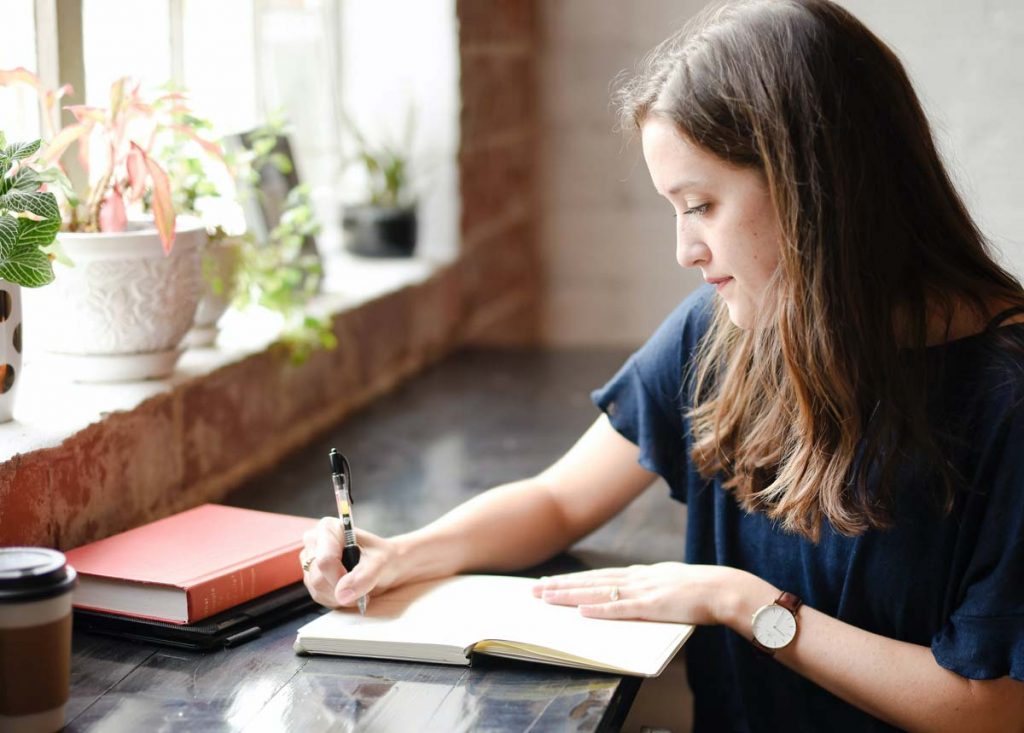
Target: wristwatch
774, 625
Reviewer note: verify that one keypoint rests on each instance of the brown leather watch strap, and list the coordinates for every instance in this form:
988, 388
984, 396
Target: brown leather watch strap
789, 601
768, 652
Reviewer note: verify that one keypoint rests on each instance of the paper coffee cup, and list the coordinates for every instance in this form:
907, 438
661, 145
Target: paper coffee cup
35, 638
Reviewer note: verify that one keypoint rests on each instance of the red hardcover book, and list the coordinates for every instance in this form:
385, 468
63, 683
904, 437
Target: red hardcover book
191, 565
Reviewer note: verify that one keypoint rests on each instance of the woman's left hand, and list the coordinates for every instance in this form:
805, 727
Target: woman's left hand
667, 591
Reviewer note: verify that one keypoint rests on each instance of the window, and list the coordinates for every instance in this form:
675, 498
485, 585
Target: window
19, 111
297, 41
244, 60
218, 60
122, 39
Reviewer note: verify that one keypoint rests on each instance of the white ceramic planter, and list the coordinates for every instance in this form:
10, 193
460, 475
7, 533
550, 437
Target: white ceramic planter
121, 312
220, 259
10, 347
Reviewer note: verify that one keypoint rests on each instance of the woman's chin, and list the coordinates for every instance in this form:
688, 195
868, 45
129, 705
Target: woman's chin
741, 317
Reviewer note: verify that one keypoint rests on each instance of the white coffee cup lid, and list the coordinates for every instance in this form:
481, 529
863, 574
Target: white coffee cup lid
33, 573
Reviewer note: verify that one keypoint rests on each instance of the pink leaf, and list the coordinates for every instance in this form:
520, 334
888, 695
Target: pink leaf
170, 96
210, 147
137, 105
51, 97
85, 113
20, 75
163, 207
117, 96
62, 140
112, 214
136, 166
83, 153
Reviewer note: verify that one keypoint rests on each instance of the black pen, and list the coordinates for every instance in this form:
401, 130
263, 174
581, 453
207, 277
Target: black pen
341, 477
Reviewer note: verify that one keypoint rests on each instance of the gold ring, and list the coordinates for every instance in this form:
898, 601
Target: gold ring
307, 563
614, 595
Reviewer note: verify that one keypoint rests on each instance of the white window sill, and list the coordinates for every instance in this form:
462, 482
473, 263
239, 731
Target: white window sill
49, 407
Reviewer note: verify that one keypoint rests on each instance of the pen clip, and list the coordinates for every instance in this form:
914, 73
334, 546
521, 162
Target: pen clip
340, 467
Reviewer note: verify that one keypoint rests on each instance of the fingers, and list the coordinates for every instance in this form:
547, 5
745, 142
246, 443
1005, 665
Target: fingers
604, 593
599, 601
326, 579
625, 608
603, 578
360, 581
323, 545
328, 548
589, 595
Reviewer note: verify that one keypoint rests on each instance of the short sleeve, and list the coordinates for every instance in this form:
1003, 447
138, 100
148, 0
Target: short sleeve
984, 636
646, 399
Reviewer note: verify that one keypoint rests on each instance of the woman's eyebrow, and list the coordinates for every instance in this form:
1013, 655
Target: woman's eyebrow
684, 184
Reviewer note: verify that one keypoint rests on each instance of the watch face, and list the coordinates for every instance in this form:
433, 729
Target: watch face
774, 626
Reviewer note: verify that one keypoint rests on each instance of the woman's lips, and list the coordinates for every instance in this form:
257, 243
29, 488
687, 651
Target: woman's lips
719, 282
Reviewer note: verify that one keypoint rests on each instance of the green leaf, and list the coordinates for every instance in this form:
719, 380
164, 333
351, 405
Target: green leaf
5, 165
59, 179
20, 151
27, 267
26, 180
38, 233
3, 140
43, 205
8, 234
261, 147
56, 253
282, 162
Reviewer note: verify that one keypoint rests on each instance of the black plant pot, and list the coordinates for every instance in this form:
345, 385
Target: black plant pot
378, 231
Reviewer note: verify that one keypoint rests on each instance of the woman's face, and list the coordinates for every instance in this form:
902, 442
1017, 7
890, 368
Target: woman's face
725, 224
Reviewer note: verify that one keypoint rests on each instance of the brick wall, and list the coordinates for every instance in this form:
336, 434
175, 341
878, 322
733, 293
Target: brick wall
499, 263
206, 435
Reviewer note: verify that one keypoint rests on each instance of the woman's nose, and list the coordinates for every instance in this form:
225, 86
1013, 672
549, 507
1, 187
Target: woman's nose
691, 252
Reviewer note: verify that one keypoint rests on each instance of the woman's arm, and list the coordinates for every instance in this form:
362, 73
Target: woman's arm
526, 522
506, 528
899, 682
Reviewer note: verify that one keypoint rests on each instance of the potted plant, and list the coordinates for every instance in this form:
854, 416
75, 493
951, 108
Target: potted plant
277, 273
193, 159
121, 311
281, 274
29, 220
383, 224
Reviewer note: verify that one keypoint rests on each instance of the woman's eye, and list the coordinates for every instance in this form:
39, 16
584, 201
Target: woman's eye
697, 210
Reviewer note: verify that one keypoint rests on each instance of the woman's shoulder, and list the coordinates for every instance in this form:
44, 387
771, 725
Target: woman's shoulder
989, 364
978, 384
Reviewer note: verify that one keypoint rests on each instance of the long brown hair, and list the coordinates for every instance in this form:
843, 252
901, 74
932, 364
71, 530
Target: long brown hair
826, 389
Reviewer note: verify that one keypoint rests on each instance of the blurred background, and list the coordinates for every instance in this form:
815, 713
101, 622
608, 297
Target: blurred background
516, 160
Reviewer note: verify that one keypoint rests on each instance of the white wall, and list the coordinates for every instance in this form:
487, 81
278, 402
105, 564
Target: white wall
399, 55
967, 63
607, 238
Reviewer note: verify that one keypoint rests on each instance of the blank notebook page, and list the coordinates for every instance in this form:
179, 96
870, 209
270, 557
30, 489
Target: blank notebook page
461, 611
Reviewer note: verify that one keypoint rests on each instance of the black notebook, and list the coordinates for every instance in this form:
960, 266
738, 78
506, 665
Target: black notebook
226, 629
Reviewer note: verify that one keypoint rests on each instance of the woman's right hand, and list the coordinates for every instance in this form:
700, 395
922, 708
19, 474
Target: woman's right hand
327, 580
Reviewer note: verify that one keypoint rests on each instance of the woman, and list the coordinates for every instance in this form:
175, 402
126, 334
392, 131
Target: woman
841, 412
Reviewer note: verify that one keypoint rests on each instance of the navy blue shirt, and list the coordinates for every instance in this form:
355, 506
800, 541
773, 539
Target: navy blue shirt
953, 582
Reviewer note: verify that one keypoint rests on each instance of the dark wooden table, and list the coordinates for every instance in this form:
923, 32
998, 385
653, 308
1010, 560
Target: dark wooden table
480, 418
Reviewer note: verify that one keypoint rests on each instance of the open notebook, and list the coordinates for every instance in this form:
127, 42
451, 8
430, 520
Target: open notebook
447, 621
